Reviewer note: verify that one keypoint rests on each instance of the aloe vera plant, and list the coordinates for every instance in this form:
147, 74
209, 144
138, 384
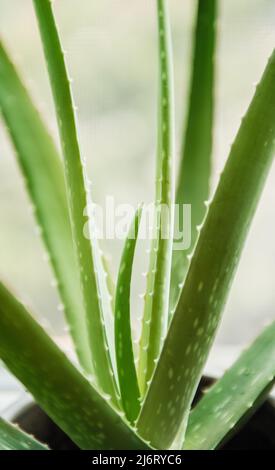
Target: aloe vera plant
117, 397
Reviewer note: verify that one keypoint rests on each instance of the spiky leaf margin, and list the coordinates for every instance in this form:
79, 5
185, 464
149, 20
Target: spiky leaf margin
58, 387
44, 176
12, 438
211, 272
235, 396
88, 257
155, 318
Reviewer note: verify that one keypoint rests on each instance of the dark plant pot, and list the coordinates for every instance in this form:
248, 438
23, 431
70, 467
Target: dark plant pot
258, 433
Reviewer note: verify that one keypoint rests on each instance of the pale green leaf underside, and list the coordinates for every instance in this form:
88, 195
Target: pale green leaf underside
44, 176
155, 318
12, 438
57, 386
212, 268
86, 251
235, 395
127, 375
195, 167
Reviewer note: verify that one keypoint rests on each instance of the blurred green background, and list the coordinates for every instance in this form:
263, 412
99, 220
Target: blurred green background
111, 54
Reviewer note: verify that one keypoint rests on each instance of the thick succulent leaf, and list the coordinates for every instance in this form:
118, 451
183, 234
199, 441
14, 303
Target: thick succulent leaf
12, 438
87, 254
195, 165
212, 268
44, 176
57, 386
155, 318
236, 395
129, 389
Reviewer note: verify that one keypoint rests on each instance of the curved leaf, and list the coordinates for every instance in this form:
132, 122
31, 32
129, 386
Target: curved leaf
91, 274
155, 318
44, 176
235, 396
127, 375
212, 268
57, 386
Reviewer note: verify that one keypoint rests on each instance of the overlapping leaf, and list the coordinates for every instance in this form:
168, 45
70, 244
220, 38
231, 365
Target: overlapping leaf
129, 388
212, 268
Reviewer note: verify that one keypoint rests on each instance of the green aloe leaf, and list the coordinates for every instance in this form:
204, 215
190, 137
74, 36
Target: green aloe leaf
195, 167
57, 386
127, 375
212, 268
155, 318
93, 282
235, 396
109, 281
44, 176
12, 438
